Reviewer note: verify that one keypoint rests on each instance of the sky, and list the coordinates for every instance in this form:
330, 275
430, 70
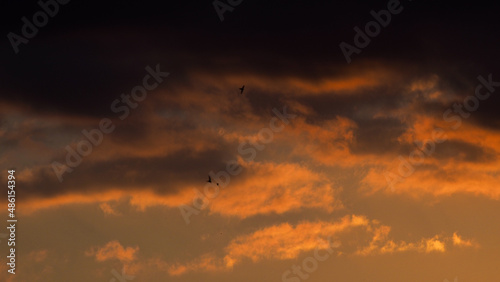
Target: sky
364, 146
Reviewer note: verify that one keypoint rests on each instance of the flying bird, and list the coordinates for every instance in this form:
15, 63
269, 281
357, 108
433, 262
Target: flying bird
210, 180
241, 89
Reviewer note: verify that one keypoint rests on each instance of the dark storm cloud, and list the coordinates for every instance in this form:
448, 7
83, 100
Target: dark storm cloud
488, 113
464, 152
166, 175
92, 52
72, 78
378, 136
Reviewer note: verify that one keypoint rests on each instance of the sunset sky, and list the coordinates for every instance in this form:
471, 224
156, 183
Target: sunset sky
379, 163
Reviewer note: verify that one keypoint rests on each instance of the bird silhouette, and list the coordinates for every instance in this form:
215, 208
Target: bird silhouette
210, 180
241, 89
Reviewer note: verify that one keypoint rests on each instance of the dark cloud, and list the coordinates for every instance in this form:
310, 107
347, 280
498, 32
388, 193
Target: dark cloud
378, 136
165, 175
92, 52
464, 152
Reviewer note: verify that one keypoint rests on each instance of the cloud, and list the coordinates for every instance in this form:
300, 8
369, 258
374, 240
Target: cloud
285, 241
280, 242
354, 119
206, 262
38, 256
265, 187
113, 250
261, 188
349, 117
108, 210
459, 241
381, 244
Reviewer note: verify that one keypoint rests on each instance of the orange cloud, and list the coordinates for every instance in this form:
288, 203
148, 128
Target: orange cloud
206, 262
284, 241
380, 244
327, 142
38, 256
459, 241
107, 209
274, 188
329, 82
138, 198
439, 181
113, 250
446, 170
280, 242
